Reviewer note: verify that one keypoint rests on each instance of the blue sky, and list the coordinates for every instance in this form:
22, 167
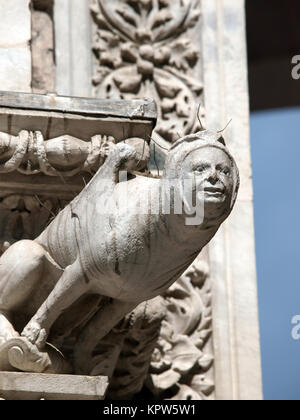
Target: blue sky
275, 143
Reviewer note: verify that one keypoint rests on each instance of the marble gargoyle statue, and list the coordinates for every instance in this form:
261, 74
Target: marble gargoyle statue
115, 255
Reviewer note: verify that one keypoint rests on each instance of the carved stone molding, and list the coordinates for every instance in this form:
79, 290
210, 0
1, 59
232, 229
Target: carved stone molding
30, 154
50, 146
146, 49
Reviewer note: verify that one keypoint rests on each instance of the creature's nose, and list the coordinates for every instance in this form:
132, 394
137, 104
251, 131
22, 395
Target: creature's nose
213, 177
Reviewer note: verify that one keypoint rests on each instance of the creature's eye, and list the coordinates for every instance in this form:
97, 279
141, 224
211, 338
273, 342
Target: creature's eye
201, 168
224, 170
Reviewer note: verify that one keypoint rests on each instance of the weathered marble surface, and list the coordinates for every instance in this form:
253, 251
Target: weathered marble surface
90, 267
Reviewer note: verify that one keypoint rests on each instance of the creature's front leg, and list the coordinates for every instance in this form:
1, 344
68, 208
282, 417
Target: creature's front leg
70, 287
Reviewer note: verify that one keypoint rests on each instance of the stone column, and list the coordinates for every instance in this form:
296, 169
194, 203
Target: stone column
15, 55
232, 253
72, 47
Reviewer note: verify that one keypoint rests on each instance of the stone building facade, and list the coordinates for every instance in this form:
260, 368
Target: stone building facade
204, 343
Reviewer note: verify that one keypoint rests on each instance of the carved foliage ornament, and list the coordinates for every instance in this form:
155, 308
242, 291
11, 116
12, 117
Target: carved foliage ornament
144, 49
182, 363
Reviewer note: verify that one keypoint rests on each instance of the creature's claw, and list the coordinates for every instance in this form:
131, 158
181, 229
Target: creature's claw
36, 334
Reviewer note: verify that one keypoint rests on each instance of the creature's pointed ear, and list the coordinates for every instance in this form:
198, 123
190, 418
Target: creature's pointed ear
221, 140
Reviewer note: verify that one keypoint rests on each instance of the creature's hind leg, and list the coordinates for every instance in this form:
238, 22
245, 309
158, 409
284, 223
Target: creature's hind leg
108, 316
7, 330
21, 266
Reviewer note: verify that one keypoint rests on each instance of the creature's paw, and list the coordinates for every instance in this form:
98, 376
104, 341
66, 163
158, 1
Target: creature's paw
35, 334
126, 156
125, 151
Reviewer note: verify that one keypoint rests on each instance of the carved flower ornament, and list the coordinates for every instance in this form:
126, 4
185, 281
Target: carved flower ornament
143, 49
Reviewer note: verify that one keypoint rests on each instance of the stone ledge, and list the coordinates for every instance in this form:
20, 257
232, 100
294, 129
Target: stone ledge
32, 386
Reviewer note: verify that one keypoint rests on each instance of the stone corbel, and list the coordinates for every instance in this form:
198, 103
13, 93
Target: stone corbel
51, 146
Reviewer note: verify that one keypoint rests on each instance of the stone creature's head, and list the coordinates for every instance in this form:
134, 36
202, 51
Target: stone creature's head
206, 174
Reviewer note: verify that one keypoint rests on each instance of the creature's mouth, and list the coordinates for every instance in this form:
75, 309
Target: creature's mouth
214, 190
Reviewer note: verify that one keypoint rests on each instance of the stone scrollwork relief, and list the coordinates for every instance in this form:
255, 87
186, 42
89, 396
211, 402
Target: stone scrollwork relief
145, 49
